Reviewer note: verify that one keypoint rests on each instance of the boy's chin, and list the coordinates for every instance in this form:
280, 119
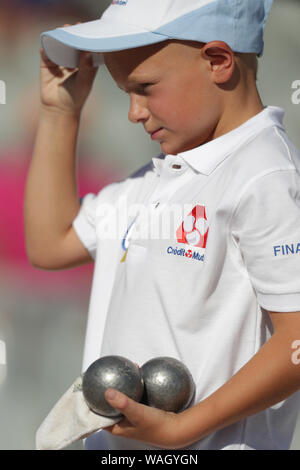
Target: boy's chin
169, 149
173, 147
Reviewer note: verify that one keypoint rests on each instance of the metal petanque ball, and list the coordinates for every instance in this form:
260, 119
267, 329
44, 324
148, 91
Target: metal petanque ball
111, 371
168, 384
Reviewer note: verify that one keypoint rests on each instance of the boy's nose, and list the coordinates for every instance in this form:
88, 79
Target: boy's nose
138, 111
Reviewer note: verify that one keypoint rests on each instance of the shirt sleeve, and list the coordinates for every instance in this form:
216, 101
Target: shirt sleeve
266, 227
85, 222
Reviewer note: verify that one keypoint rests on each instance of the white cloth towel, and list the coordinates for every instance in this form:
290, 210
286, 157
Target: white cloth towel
70, 420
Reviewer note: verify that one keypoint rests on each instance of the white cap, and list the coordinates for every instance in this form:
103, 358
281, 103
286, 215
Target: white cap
127, 24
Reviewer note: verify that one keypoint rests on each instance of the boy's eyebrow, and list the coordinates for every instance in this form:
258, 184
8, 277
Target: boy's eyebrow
142, 78
136, 80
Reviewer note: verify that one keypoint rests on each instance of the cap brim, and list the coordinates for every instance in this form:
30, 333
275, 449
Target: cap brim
62, 45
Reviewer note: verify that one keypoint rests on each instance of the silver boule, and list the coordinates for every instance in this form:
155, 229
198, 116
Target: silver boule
111, 371
168, 384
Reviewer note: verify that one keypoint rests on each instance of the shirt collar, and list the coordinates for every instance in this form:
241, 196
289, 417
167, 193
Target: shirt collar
158, 162
207, 157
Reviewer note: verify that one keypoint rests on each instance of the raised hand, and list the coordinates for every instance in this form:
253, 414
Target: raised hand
64, 89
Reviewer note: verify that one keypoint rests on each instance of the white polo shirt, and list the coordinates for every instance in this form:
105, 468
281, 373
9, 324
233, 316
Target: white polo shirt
213, 243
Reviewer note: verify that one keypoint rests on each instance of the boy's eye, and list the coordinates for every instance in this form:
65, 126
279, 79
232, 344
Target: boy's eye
146, 87
140, 88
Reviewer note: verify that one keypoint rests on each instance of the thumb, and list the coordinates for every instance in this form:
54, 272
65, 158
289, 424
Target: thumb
135, 412
86, 61
86, 70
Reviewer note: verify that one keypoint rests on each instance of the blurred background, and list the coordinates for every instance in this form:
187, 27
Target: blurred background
43, 314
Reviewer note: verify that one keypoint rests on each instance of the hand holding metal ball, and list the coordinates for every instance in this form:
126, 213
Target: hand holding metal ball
162, 382
111, 372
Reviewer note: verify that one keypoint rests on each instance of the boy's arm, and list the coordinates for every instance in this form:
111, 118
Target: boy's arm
271, 376
51, 197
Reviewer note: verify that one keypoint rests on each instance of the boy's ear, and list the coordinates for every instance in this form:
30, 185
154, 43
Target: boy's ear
221, 60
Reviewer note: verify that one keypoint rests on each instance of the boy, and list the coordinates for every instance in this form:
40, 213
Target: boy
219, 290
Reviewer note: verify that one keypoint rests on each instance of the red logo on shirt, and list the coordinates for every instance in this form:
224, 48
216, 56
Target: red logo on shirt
194, 229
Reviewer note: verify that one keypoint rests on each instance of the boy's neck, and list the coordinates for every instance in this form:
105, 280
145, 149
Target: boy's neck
238, 109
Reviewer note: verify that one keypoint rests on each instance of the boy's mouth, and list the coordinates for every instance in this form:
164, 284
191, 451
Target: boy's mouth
155, 134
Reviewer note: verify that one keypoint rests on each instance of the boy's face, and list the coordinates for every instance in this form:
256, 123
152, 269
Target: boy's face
171, 93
